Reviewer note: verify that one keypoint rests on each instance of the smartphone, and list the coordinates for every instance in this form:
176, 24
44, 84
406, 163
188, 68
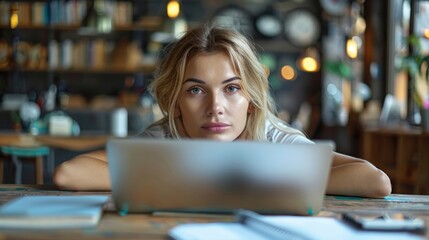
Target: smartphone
390, 221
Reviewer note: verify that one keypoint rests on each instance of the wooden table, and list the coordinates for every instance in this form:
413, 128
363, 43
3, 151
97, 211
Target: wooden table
72, 143
28, 141
145, 226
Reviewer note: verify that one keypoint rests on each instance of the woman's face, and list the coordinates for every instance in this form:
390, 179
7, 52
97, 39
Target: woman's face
211, 103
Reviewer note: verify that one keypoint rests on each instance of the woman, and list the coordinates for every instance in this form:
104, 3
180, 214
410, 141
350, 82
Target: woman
210, 85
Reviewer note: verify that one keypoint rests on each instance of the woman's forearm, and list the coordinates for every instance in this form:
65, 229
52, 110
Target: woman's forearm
358, 178
83, 173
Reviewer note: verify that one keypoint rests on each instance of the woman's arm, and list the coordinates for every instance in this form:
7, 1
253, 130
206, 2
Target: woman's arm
349, 176
84, 172
356, 177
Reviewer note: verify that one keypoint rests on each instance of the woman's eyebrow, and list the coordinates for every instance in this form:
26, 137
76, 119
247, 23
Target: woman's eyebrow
196, 80
231, 79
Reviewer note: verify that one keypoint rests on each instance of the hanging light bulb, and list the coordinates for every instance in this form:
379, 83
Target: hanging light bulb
288, 72
352, 48
309, 61
173, 9
309, 64
175, 24
359, 26
14, 17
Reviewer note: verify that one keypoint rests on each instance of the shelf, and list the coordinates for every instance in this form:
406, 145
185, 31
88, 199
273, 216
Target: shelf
42, 27
134, 27
143, 69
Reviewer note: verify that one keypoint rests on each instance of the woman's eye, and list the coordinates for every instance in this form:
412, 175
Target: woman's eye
232, 88
194, 90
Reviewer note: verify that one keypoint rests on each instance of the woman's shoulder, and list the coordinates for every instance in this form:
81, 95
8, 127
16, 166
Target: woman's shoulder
156, 130
282, 133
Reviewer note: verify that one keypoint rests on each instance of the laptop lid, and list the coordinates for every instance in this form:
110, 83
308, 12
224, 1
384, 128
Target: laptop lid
149, 175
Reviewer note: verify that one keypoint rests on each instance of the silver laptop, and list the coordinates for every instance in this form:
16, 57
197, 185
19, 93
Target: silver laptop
150, 175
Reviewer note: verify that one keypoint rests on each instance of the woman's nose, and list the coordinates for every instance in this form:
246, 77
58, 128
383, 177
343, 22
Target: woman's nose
215, 105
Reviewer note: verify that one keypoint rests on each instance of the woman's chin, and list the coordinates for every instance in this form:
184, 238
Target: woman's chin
218, 137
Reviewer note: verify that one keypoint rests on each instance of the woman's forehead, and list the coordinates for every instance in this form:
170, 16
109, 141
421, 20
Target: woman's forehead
193, 56
210, 60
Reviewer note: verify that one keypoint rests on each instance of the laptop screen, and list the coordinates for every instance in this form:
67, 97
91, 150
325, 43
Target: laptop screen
150, 175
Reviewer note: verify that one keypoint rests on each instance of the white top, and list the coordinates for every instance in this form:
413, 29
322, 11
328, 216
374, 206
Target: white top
274, 135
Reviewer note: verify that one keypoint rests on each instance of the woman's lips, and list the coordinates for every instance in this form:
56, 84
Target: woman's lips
216, 127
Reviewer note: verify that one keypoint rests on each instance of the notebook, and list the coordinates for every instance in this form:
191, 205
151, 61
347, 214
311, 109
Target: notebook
153, 175
256, 227
52, 212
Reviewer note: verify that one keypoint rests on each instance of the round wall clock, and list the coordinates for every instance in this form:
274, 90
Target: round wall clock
234, 17
302, 28
268, 25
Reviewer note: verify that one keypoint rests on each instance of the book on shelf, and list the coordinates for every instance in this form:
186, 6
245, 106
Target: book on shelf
62, 12
23, 11
4, 13
52, 212
123, 13
39, 14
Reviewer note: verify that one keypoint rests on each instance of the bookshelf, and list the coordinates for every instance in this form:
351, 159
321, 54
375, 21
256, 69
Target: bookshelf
45, 42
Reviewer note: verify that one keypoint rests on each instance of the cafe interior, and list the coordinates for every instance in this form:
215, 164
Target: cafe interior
351, 72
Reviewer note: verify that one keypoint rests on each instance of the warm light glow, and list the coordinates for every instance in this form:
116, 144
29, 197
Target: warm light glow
426, 33
360, 26
346, 89
173, 9
309, 64
401, 90
309, 61
288, 72
14, 20
352, 49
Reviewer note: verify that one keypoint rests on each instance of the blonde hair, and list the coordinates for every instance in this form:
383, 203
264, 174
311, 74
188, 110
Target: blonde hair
208, 39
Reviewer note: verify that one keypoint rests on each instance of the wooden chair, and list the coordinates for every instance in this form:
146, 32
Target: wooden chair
18, 154
422, 184
396, 152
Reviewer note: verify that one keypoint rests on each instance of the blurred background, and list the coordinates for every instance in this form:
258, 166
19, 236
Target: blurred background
350, 71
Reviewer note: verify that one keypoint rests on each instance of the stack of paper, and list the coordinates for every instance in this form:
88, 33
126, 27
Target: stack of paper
284, 227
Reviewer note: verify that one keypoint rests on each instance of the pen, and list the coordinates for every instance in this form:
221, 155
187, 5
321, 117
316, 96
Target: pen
256, 222
189, 215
